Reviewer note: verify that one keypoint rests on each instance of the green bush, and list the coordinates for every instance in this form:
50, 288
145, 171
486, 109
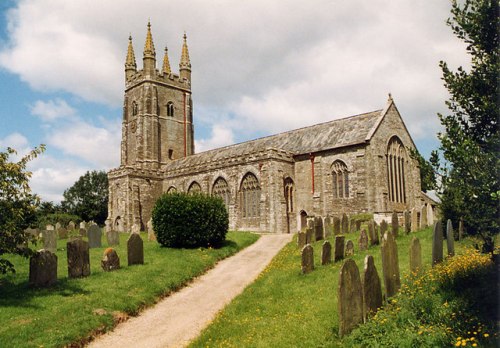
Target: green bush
181, 220
52, 219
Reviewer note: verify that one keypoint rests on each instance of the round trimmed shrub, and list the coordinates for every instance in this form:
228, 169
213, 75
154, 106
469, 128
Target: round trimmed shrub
188, 221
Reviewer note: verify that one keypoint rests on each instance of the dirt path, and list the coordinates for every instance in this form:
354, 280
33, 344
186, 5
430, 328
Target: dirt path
179, 318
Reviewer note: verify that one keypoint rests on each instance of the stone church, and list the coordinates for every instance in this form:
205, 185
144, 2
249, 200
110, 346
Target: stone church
350, 165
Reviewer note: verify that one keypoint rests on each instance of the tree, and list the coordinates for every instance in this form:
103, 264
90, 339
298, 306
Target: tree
17, 206
427, 173
88, 197
470, 140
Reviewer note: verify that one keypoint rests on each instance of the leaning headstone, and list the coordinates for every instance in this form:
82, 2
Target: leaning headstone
62, 233
94, 235
49, 240
437, 243
395, 224
318, 228
350, 298
151, 232
372, 288
43, 269
71, 226
423, 217
460, 229
363, 241
336, 226
113, 238
407, 218
307, 259
430, 215
414, 220
110, 260
390, 264
309, 235
415, 255
135, 250
352, 226
345, 224
301, 240
349, 248
326, 253
78, 258
383, 228
339, 248
450, 239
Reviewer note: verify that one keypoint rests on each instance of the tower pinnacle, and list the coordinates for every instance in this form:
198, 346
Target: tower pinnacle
149, 57
130, 65
185, 64
166, 63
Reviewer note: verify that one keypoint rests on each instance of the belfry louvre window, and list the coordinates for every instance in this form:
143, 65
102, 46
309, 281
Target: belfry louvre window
170, 109
250, 196
194, 188
221, 189
288, 186
396, 159
340, 180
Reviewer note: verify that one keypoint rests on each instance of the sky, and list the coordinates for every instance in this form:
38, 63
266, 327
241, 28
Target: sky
258, 67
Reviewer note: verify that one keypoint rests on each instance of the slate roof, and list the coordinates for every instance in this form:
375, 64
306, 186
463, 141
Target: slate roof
323, 136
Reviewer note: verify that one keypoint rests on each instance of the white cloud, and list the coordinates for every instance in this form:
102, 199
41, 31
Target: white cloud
52, 110
220, 136
15, 141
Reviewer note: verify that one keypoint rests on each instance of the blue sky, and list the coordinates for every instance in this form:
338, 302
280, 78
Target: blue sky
258, 68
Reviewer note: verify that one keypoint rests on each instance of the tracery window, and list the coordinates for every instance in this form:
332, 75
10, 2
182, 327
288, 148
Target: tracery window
194, 188
250, 196
221, 189
288, 186
340, 180
170, 109
396, 159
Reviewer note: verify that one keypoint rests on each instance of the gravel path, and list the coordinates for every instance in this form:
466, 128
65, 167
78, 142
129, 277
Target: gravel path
179, 318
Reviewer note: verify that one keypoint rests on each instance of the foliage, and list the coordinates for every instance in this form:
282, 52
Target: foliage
471, 138
88, 197
17, 206
427, 173
183, 220
52, 219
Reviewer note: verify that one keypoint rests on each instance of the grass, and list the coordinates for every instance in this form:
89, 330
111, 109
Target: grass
284, 308
75, 309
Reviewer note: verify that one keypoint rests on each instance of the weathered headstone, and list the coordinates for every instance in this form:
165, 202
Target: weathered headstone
110, 260
33, 233
363, 241
113, 238
350, 298
349, 248
383, 228
71, 226
43, 269
309, 235
358, 225
58, 226
307, 259
339, 248
430, 215
135, 250
415, 255
326, 253
151, 232
345, 224
450, 239
327, 226
372, 288
460, 229
301, 240
78, 258
395, 224
336, 226
352, 226
49, 238
372, 233
414, 220
437, 243
390, 264
407, 218
94, 235
318, 228
310, 222
49, 228
83, 232
423, 217
83, 225
62, 233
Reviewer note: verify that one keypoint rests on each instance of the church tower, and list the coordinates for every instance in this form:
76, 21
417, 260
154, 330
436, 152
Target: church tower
157, 122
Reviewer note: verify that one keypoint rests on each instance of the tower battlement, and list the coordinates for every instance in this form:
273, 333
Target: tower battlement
168, 79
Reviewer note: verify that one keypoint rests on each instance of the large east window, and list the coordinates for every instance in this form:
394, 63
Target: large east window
396, 159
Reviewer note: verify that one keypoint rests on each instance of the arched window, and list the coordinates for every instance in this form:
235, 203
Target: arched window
194, 188
340, 180
288, 186
250, 196
171, 189
170, 109
221, 189
396, 158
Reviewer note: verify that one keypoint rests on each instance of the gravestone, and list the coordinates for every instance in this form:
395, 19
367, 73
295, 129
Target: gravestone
414, 220
358, 225
318, 228
395, 224
78, 258
437, 243
62, 233
430, 215
363, 241
307, 259
135, 250
151, 232
94, 235
383, 228
423, 216
83, 225
327, 226
301, 240
372, 288
71, 226
350, 298
113, 238
58, 226
349, 248
43, 269
33, 233
407, 218
339, 248
372, 233
49, 228
460, 229
344, 224
83, 232
326, 253
352, 226
49, 240
110, 260
415, 255
310, 222
390, 264
450, 239
309, 235
336, 226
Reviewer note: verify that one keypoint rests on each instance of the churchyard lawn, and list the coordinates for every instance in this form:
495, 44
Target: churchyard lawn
75, 309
